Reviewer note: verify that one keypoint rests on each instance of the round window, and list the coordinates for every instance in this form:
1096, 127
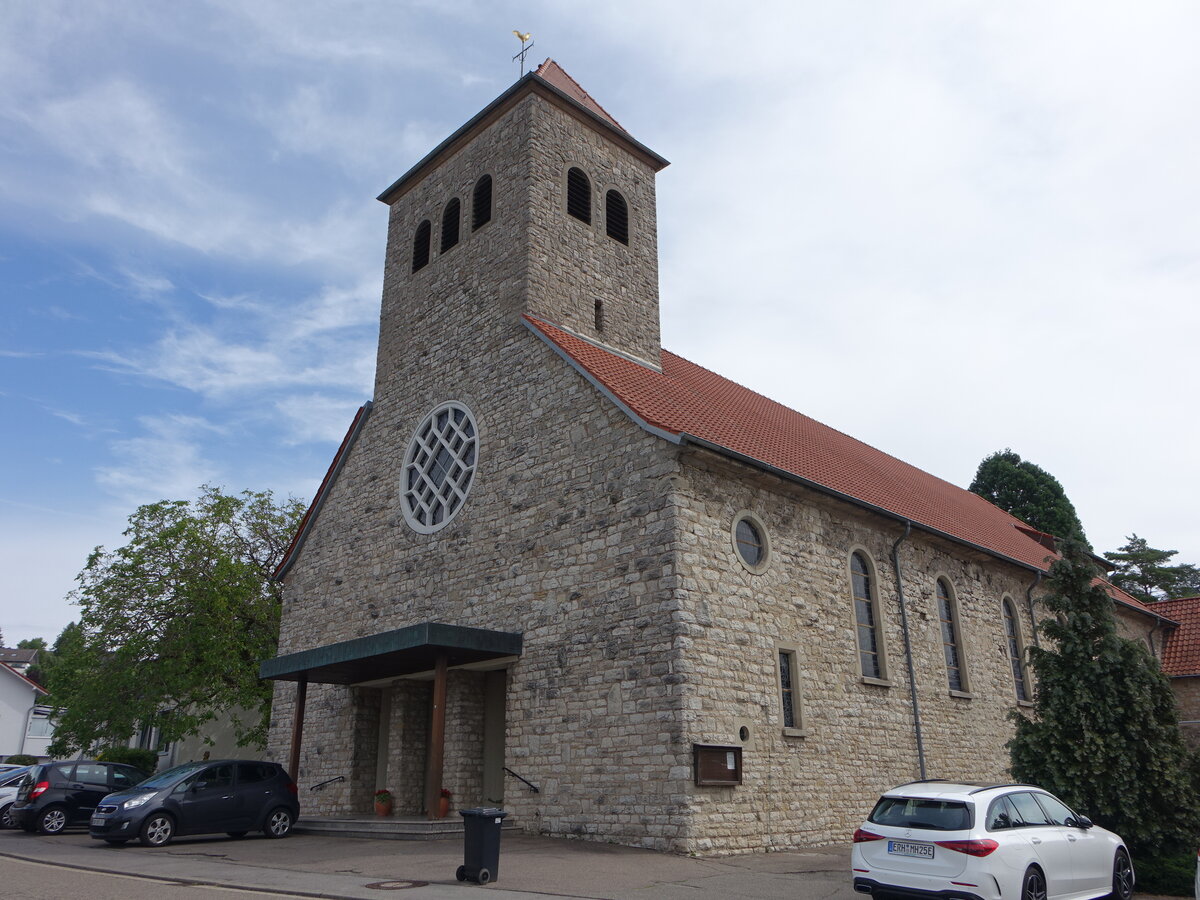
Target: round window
439, 468
750, 542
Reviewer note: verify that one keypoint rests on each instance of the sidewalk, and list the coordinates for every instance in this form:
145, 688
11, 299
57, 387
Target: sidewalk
530, 867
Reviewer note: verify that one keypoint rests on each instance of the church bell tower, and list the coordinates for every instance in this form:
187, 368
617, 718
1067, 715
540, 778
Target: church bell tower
541, 205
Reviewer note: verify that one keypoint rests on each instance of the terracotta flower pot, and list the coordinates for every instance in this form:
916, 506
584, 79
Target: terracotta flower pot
383, 808
443, 808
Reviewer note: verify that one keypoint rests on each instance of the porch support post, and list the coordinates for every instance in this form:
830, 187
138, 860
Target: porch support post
437, 739
298, 726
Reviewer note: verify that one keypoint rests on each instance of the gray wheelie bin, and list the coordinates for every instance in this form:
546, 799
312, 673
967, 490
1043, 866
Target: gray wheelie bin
481, 844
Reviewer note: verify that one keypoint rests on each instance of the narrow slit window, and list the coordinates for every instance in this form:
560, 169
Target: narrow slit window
1012, 633
788, 693
579, 195
421, 241
450, 224
951, 639
599, 315
865, 618
616, 217
481, 203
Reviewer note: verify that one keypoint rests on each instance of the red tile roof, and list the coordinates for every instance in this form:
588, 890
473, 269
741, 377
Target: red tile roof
554, 74
688, 400
1182, 654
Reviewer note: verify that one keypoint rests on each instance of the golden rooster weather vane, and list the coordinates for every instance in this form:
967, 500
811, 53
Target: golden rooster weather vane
523, 37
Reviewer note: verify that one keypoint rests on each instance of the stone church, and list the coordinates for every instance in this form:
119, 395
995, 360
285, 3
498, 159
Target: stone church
557, 568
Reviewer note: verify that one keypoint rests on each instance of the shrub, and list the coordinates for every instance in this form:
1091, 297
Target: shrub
143, 760
1172, 875
22, 759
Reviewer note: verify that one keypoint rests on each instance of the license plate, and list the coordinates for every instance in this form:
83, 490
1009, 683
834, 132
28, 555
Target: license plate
99, 820
906, 848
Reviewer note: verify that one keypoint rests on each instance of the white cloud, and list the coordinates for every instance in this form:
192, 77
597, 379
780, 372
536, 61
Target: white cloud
166, 461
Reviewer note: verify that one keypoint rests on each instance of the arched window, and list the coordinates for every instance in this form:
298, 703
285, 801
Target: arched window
616, 217
1012, 632
450, 224
579, 195
481, 203
421, 246
951, 637
866, 617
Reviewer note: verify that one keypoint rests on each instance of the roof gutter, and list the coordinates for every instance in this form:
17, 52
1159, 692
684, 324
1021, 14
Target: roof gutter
846, 498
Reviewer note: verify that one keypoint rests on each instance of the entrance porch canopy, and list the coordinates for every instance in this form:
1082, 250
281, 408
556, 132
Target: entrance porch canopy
405, 651
390, 654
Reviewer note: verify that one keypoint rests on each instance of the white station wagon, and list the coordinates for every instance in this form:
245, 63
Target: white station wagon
949, 841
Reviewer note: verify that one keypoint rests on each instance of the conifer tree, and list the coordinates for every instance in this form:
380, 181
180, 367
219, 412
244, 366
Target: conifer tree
1144, 572
1104, 734
1029, 492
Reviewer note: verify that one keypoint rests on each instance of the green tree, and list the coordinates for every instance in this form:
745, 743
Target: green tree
1029, 492
174, 624
1103, 733
1142, 570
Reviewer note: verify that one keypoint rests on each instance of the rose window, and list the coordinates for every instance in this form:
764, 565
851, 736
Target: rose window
439, 468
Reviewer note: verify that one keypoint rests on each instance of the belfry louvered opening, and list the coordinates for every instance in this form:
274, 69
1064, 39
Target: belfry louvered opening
450, 224
420, 257
616, 217
579, 195
481, 203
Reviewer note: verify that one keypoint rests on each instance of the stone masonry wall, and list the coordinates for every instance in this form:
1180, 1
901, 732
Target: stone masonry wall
815, 785
565, 536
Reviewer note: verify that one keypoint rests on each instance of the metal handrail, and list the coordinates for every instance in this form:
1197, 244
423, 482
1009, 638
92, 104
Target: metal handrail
533, 787
321, 785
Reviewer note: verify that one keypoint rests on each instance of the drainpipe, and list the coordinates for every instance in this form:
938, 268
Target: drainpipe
912, 676
1029, 602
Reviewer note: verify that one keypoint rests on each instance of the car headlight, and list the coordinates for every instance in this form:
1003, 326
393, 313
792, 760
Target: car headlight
136, 802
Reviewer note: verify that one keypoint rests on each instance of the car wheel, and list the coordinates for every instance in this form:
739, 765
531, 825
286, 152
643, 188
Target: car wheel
1033, 885
52, 820
157, 831
6, 819
278, 824
1122, 883
236, 834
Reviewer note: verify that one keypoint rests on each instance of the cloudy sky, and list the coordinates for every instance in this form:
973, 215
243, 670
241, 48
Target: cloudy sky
945, 228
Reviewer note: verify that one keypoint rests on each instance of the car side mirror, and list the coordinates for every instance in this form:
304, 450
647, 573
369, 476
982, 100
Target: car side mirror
1079, 821
199, 786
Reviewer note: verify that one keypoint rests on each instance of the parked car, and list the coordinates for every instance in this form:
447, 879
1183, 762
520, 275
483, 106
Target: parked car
57, 794
973, 842
231, 795
10, 781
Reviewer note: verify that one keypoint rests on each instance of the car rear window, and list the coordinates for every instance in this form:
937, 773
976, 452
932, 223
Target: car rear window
922, 812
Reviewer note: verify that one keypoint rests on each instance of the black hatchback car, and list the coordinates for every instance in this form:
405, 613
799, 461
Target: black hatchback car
231, 795
57, 794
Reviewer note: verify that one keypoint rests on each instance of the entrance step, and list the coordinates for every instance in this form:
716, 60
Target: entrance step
400, 828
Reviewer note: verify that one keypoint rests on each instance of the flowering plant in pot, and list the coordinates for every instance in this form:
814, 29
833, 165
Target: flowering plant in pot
383, 802
444, 803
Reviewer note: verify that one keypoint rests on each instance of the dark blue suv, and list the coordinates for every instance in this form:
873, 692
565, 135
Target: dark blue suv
57, 794
231, 795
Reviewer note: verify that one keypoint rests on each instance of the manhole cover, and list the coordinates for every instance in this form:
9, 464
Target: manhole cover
396, 885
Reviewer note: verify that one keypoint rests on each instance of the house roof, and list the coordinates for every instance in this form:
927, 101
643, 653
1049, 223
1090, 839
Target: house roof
553, 73
1181, 656
5, 667
19, 657
686, 402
